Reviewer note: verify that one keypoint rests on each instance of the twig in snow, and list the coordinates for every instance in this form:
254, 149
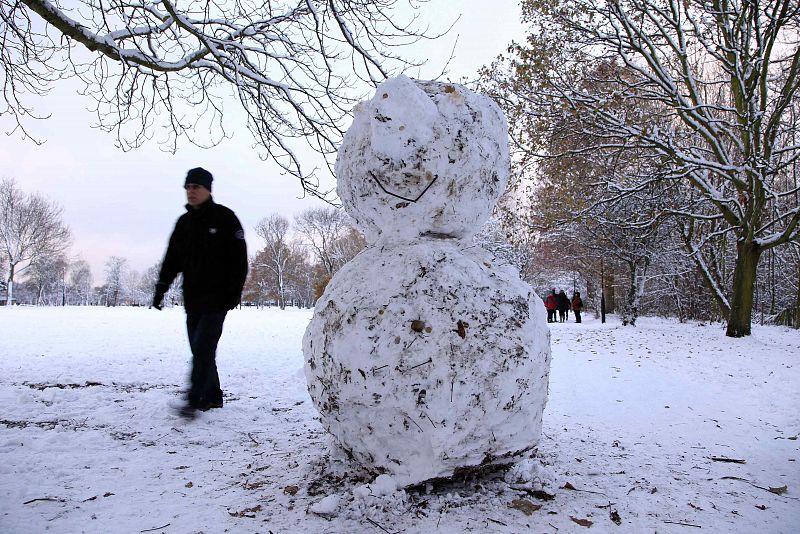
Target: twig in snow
157, 528
433, 179
728, 460
496, 521
431, 420
249, 435
379, 368
430, 360
682, 524
774, 491
568, 486
379, 526
55, 499
415, 423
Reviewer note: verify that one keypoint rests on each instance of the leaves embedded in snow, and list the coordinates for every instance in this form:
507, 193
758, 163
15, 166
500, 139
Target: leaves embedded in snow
247, 512
582, 522
780, 490
525, 506
615, 517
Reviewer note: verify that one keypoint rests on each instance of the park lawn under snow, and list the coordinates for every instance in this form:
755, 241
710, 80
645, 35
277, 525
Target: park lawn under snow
636, 424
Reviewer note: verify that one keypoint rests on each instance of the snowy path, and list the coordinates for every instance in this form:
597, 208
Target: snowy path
634, 419
643, 411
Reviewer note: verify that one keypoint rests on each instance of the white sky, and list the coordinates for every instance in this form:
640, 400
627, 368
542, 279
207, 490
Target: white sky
125, 204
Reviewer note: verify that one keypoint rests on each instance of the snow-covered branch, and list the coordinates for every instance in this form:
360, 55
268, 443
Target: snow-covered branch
297, 67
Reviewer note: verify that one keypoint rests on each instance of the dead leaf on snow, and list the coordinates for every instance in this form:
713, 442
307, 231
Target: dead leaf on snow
779, 491
615, 517
461, 329
291, 490
247, 512
524, 506
582, 522
189, 484
568, 486
541, 495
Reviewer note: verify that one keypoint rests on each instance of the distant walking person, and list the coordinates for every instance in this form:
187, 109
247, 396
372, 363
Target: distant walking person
562, 305
208, 247
577, 306
550, 303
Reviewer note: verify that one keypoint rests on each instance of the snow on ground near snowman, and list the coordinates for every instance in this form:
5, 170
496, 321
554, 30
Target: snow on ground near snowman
635, 419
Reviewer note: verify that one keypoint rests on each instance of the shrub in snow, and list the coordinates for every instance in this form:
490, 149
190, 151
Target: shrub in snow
423, 356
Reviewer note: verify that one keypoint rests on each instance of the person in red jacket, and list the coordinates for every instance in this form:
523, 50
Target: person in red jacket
577, 306
550, 303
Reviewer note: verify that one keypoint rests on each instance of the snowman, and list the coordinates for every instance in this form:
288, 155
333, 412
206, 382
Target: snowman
424, 356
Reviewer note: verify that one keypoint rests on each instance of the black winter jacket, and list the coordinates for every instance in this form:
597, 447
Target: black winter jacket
563, 302
208, 247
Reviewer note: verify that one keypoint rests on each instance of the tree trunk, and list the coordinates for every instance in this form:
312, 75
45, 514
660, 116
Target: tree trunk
10, 285
630, 309
744, 278
611, 294
797, 301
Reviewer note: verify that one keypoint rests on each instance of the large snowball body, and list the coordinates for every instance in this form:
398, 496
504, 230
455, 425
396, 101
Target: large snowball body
423, 358
423, 158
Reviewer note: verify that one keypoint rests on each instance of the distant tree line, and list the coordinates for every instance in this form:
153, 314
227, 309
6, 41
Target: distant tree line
298, 259
637, 273
291, 266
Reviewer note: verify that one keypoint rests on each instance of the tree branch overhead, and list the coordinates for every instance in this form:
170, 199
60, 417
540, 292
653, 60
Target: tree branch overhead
297, 67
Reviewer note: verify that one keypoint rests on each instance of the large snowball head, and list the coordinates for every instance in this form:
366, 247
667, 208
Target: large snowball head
423, 158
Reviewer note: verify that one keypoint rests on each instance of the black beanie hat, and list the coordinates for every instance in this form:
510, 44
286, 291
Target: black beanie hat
199, 176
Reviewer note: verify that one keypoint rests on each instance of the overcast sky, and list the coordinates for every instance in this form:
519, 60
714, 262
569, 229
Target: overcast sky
125, 204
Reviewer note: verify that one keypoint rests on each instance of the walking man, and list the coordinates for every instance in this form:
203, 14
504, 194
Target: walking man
208, 247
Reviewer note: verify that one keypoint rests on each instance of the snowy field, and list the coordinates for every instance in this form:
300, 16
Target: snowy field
640, 432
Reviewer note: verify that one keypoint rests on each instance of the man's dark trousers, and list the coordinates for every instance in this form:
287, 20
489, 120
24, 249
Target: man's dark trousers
204, 331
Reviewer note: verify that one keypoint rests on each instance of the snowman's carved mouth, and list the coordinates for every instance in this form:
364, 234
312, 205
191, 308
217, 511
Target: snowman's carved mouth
428, 175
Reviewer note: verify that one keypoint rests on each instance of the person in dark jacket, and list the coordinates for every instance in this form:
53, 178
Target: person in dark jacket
577, 306
562, 305
208, 247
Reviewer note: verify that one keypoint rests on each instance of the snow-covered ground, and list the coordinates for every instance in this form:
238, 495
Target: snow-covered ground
636, 428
